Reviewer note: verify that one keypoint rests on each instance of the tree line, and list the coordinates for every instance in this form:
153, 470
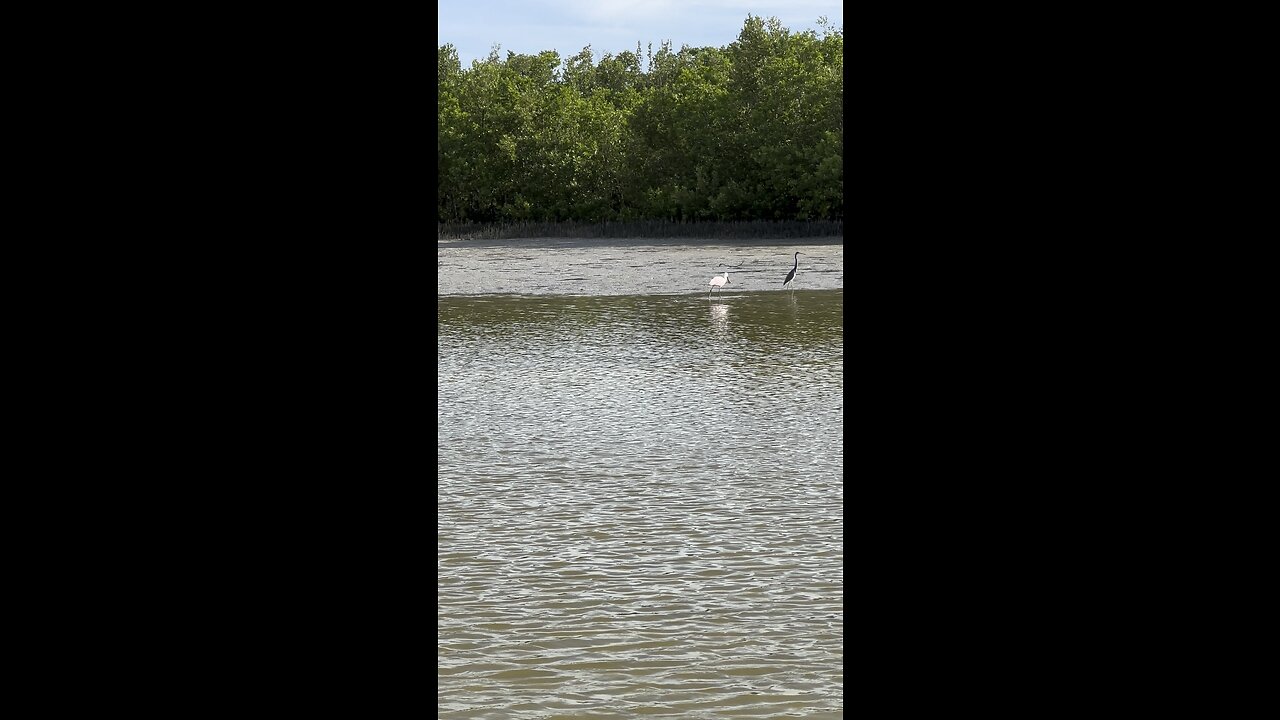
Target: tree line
750, 131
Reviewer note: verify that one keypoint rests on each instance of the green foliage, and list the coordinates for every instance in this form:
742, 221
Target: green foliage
752, 131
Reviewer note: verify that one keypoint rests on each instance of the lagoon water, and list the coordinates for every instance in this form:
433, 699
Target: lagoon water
640, 487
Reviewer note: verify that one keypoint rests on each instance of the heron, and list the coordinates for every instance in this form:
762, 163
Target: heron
718, 282
792, 275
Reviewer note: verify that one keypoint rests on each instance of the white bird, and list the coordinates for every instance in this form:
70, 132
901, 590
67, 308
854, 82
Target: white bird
719, 282
792, 275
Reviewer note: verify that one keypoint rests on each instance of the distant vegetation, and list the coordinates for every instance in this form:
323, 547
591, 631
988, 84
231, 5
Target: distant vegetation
643, 229
750, 132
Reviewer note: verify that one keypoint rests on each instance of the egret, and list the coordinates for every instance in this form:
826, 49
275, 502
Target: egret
792, 275
718, 282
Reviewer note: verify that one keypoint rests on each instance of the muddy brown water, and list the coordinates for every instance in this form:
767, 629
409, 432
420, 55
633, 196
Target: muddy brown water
640, 496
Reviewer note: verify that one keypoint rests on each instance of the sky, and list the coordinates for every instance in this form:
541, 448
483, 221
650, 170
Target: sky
528, 27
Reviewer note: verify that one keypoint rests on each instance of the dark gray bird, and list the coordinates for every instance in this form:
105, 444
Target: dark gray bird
792, 275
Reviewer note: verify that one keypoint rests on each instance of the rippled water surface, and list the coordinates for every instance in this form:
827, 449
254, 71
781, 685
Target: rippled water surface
640, 504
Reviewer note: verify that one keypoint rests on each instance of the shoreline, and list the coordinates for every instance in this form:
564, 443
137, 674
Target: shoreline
659, 232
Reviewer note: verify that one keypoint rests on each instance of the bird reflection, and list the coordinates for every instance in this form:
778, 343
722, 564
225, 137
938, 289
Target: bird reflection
719, 318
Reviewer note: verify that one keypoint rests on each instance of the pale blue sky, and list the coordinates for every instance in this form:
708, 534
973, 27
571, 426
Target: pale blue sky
530, 26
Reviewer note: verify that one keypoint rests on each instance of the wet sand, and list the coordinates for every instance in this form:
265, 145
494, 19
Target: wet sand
632, 242
633, 266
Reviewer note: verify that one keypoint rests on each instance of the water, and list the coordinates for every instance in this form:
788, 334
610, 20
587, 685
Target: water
640, 494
